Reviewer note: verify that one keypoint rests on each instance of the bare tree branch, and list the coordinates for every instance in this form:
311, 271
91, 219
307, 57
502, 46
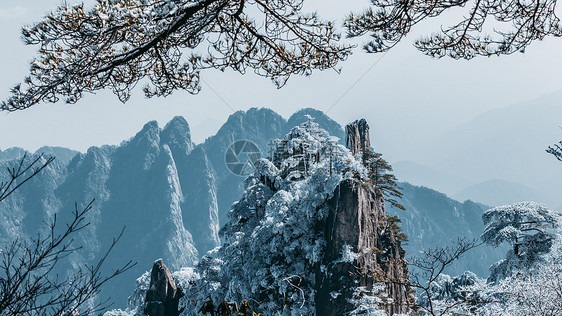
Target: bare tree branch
27, 283
431, 264
22, 173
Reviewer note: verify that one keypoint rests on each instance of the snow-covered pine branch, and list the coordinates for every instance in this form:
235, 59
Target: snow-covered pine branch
487, 27
532, 289
529, 227
121, 43
519, 224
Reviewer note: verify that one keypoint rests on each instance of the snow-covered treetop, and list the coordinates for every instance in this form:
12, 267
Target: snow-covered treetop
307, 161
305, 145
513, 222
529, 227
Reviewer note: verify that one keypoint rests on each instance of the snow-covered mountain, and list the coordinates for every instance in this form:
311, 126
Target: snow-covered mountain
309, 236
173, 195
515, 136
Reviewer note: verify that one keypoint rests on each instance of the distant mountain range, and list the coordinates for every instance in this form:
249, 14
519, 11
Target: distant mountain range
434, 220
499, 192
418, 174
493, 192
503, 148
172, 195
62, 154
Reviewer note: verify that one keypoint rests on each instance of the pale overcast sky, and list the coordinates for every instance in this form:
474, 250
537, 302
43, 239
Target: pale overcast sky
405, 95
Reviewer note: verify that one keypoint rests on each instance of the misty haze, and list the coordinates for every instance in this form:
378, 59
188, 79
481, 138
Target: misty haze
222, 157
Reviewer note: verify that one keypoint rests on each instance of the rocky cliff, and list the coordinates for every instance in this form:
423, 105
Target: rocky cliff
162, 296
309, 236
357, 229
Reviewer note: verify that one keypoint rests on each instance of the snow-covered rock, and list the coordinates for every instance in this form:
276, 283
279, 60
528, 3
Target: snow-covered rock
307, 224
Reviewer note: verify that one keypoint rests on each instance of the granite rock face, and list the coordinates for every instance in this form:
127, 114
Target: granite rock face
357, 136
362, 250
162, 297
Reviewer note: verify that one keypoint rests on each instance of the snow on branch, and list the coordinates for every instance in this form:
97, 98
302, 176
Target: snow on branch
488, 27
166, 44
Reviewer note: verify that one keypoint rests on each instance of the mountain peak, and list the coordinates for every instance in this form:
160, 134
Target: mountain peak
61, 153
249, 124
149, 126
150, 132
303, 205
177, 123
357, 136
325, 122
177, 135
263, 115
12, 153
